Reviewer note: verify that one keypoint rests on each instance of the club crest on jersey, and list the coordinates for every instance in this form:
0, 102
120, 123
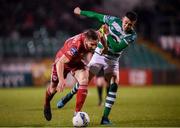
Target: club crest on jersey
73, 51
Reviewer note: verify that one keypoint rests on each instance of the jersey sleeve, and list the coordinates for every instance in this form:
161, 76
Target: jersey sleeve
94, 15
72, 47
109, 19
118, 46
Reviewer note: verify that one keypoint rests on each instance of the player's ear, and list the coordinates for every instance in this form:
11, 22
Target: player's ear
85, 40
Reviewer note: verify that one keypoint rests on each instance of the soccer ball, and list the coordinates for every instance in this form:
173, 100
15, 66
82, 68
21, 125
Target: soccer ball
81, 119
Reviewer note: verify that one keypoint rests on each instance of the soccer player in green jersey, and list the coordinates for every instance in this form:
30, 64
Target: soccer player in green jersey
118, 33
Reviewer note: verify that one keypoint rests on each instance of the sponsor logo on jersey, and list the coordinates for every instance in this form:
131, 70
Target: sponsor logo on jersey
73, 51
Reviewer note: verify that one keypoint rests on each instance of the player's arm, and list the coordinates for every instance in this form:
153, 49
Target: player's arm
118, 46
100, 17
89, 14
104, 30
60, 66
60, 72
102, 44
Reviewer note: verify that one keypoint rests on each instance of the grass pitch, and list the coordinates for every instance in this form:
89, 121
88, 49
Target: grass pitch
154, 106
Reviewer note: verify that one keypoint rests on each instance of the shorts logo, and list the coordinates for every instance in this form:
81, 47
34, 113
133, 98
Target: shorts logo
74, 51
54, 77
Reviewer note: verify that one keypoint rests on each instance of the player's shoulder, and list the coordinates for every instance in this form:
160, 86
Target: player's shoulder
111, 18
75, 40
75, 44
77, 37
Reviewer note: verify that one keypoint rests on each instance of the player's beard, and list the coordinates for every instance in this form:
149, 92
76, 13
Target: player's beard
91, 50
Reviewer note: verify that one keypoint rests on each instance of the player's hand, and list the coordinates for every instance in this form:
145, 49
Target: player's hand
61, 85
103, 30
104, 50
77, 11
106, 30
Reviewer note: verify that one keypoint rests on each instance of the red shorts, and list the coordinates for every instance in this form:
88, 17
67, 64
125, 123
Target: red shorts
67, 69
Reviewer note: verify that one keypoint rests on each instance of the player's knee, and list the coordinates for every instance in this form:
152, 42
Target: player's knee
117, 80
114, 79
83, 80
83, 77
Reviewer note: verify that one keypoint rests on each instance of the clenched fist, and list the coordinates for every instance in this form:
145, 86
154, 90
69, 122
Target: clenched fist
77, 11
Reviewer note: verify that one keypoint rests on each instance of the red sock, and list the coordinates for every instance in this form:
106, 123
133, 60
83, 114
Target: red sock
81, 97
48, 96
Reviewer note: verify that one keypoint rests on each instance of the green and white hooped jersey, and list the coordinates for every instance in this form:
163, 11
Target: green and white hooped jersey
116, 31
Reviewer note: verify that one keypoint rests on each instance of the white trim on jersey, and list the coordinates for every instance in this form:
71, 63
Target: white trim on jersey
117, 27
118, 39
126, 41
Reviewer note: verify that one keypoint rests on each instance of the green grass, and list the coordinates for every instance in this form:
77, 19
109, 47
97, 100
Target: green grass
135, 106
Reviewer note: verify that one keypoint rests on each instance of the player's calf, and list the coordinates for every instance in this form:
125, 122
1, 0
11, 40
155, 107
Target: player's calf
81, 97
47, 106
110, 99
82, 78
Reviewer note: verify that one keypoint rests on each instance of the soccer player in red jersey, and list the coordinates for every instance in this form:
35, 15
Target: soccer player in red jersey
69, 60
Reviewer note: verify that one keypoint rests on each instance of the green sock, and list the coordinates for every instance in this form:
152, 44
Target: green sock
75, 88
69, 96
110, 99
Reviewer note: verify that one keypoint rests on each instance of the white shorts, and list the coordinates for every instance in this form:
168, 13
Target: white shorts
98, 62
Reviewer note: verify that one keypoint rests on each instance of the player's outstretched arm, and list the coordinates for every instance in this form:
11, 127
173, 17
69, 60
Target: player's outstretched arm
89, 14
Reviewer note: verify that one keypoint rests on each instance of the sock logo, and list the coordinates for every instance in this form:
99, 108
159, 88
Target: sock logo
54, 78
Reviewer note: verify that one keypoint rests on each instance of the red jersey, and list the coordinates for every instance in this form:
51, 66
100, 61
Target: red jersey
74, 50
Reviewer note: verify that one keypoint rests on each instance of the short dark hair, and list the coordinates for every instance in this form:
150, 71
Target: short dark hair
131, 15
91, 34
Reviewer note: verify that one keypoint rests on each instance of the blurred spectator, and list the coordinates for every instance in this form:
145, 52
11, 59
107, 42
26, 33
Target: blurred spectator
171, 44
28, 16
156, 18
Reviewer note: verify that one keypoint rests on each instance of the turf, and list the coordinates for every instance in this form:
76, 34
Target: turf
135, 106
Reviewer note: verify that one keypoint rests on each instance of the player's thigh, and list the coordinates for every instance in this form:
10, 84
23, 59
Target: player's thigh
82, 76
112, 72
96, 64
112, 77
108, 77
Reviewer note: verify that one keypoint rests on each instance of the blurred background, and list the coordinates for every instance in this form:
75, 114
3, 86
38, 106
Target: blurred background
31, 32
